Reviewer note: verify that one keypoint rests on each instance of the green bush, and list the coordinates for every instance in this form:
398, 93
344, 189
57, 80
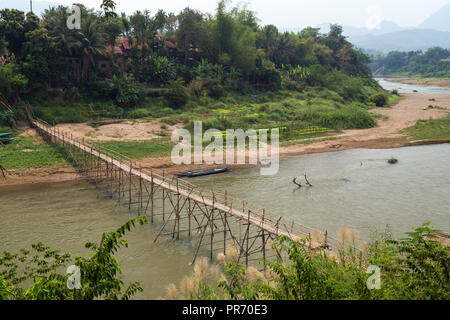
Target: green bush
213, 88
104, 89
138, 113
380, 99
159, 70
128, 94
6, 118
207, 86
177, 94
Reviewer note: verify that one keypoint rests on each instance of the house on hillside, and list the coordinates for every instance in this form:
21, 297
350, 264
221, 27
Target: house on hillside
446, 60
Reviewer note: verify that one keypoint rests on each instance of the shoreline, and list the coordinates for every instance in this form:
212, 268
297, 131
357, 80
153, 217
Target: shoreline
386, 135
439, 82
40, 176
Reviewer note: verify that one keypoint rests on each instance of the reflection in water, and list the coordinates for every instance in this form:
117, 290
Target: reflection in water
354, 188
409, 88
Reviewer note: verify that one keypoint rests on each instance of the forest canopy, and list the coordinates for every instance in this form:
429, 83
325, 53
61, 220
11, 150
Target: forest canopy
435, 62
155, 64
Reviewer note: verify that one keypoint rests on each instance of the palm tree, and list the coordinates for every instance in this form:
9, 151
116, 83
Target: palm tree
90, 42
54, 20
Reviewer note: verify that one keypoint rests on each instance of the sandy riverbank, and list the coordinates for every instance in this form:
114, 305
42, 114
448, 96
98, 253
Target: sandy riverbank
387, 134
423, 82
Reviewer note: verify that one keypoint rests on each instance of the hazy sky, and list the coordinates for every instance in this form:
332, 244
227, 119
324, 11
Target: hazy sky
301, 13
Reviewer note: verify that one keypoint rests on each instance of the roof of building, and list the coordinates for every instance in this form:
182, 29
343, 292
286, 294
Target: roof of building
117, 49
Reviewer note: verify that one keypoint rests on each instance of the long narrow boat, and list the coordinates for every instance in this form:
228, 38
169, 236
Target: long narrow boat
198, 173
5, 134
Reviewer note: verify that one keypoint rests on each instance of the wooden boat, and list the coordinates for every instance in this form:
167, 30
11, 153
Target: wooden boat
5, 134
198, 173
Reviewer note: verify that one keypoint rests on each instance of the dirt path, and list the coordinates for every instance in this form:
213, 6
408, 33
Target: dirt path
128, 130
387, 134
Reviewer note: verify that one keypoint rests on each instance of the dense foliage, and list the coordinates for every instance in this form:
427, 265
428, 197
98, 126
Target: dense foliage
413, 268
173, 61
432, 63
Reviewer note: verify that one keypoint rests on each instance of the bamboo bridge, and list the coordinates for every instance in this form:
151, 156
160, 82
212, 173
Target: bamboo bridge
215, 220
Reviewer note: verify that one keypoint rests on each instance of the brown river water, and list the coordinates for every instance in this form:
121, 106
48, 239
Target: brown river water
353, 188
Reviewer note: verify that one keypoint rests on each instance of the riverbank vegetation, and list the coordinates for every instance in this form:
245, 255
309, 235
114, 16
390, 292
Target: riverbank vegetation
432, 129
412, 268
30, 153
183, 67
434, 63
158, 147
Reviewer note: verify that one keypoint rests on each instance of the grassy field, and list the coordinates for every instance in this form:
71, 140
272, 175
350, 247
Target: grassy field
159, 147
433, 129
30, 153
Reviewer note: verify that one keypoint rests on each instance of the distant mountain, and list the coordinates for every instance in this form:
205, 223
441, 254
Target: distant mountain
349, 31
438, 21
406, 40
24, 5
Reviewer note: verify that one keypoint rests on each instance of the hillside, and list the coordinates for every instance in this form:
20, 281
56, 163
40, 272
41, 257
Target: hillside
432, 63
407, 40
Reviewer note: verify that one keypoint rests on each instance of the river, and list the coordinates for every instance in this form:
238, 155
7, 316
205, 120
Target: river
353, 188
410, 88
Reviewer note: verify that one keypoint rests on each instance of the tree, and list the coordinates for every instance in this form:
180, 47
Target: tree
267, 39
12, 82
12, 28
190, 31
90, 43
38, 52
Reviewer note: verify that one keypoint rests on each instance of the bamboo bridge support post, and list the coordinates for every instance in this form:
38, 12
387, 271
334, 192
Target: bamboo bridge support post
163, 201
119, 181
263, 241
152, 192
140, 190
178, 211
129, 186
309, 241
212, 226
248, 236
225, 226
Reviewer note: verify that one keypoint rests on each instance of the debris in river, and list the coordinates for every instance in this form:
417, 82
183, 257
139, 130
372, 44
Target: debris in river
392, 161
307, 182
294, 181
